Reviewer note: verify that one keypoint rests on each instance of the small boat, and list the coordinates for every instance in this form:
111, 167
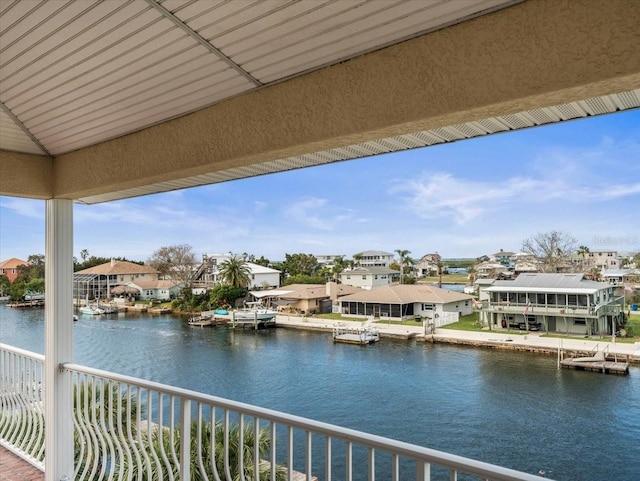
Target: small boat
355, 335
33, 296
203, 320
253, 312
91, 310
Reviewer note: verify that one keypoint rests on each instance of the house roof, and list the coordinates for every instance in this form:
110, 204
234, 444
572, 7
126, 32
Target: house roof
503, 254
118, 268
260, 269
407, 293
12, 263
546, 282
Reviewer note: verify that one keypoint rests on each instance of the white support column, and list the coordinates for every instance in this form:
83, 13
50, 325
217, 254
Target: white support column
58, 317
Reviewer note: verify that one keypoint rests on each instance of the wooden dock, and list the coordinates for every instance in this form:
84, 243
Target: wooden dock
597, 363
27, 304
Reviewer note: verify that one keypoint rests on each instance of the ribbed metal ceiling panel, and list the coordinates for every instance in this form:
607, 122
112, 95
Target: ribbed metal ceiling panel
78, 73
73, 74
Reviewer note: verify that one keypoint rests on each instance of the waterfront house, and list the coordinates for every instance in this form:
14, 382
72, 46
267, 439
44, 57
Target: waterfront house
621, 276
9, 268
369, 277
566, 303
406, 301
304, 298
157, 290
207, 275
96, 282
374, 259
428, 264
327, 259
503, 257
85, 128
489, 270
601, 260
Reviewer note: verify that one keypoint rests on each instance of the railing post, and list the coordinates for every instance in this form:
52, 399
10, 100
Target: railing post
185, 439
58, 317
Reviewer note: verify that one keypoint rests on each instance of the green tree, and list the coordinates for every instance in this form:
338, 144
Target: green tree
403, 254
583, 251
33, 270
356, 259
303, 279
84, 254
235, 272
262, 261
225, 295
339, 264
296, 264
5, 284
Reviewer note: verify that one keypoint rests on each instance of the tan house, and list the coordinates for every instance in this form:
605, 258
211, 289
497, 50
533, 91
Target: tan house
305, 298
96, 282
406, 301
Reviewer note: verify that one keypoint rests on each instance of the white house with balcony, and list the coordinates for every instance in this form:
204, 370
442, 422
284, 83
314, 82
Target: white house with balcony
208, 273
375, 259
327, 259
369, 277
566, 303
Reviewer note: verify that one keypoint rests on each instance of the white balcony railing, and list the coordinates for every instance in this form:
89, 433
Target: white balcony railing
127, 428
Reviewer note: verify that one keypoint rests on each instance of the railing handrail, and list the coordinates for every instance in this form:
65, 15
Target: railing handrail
423, 457
22, 352
428, 455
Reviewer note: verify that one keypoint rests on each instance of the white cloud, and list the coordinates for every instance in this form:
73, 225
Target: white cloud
308, 212
32, 209
440, 194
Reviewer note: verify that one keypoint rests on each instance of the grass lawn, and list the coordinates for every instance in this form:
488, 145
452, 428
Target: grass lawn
338, 317
447, 279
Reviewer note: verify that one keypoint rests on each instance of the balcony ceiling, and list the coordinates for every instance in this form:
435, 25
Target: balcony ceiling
108, 100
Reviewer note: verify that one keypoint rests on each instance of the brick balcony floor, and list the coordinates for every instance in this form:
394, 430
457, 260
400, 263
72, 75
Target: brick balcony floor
14, 468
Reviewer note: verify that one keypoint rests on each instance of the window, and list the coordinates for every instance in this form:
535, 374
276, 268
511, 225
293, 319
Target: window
364, 278
580, 321
428, 307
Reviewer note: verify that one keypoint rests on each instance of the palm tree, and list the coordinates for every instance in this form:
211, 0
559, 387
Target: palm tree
235, 272
404, 255
440, 269
338, 266
357, 258
583, 251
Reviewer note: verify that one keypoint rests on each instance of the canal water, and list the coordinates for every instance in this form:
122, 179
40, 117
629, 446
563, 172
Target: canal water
512, 409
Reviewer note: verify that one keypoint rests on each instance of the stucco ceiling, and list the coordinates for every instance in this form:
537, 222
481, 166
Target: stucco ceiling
75, 76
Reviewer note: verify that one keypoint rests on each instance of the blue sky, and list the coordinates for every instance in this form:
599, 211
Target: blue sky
462, 199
